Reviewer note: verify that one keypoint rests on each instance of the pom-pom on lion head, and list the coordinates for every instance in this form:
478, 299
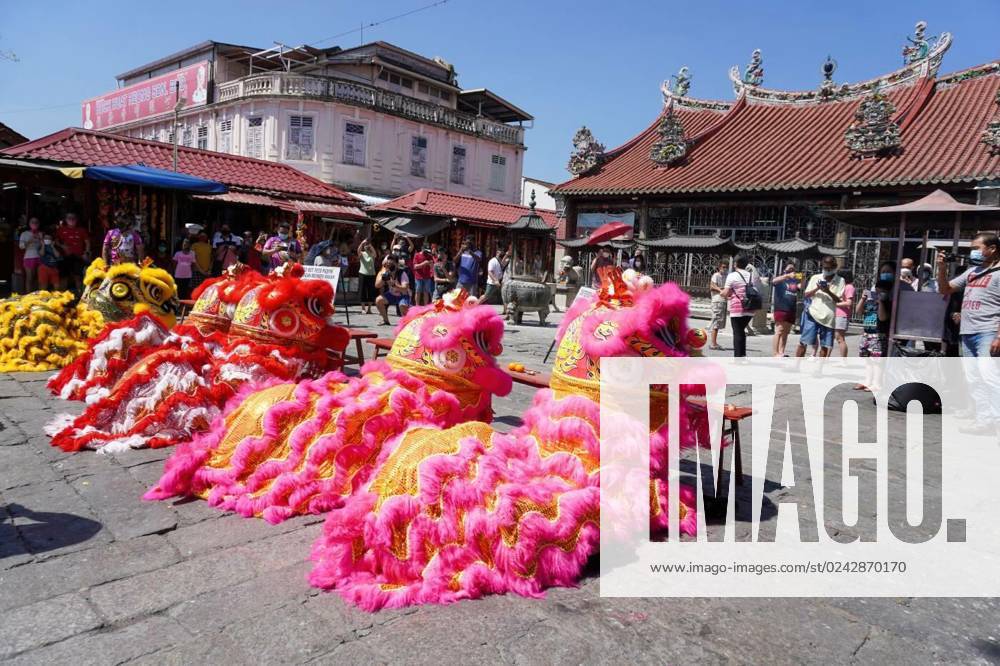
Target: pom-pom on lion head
286, 309
123, 291
452, 342
628, 317
216, 299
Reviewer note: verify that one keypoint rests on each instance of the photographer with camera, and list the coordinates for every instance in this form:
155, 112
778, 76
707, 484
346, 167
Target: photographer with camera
281, 247
826, 290
979, 330
395, 287
743, 289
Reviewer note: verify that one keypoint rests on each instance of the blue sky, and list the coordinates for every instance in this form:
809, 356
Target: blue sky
566, 62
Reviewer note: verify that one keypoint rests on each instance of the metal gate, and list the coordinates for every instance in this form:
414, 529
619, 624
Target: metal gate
867, 256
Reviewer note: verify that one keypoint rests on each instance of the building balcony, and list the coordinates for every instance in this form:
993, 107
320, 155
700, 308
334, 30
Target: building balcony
281, 84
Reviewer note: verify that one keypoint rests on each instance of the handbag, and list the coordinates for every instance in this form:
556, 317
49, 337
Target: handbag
752, 300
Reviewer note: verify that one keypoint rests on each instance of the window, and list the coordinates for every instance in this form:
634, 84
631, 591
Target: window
423, 88
300, 138
225, 140
255, 137
203, 137
187, 137
458, 165
418, 156
169, 136
354, 144
407, 83
498, 172
383, 75
444, 95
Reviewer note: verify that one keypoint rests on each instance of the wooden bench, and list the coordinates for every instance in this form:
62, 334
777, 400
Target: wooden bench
731, 417
537, 380
380, 345
358, 335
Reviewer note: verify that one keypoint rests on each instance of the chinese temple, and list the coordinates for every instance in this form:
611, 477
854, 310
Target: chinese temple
766, 166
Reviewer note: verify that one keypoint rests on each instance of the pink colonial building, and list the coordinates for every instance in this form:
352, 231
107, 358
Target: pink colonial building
376, 120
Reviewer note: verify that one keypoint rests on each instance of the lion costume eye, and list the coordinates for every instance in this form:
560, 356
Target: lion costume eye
120, 290
315, 307
285, 322
155, 293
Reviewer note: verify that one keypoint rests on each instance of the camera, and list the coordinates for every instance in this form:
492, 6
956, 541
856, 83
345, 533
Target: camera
952, 258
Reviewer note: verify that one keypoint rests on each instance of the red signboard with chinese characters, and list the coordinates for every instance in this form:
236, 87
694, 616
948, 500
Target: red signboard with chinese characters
148, 98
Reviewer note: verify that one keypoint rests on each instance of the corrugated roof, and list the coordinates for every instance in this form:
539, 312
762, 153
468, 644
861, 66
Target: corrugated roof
90, 148
472, 210
762, 146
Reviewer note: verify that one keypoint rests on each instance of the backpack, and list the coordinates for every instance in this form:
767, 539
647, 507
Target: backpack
752, 300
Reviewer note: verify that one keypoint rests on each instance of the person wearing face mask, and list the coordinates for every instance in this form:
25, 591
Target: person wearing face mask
30, 243
602, 259
875, 308
48, 270
979, 331
826, 290
74, 243
122, 243
281, 247
907, 277
925, 279
786, 290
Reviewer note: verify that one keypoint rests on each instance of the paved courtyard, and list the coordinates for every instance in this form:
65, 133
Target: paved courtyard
89, 573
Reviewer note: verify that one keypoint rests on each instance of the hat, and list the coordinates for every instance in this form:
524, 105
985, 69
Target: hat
193, 228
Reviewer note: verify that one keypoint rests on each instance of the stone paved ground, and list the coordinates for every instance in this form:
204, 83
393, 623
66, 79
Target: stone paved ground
91, 574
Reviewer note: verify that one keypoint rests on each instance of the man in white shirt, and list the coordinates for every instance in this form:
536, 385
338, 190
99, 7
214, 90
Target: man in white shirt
494, 277
825, 290
715, 285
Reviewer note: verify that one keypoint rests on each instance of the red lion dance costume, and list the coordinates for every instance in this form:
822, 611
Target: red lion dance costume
120, 345
292, 448
427, 505
147, 388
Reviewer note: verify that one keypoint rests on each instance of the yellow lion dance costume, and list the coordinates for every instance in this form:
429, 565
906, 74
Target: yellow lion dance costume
45, 330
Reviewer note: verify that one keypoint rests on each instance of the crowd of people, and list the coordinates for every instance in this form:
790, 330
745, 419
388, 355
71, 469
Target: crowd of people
824, 303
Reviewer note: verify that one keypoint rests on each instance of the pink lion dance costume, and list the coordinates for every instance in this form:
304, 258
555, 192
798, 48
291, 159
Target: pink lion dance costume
279, 329
461, 512
293, 448
120, 345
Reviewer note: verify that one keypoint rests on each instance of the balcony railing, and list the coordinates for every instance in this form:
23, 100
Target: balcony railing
357, 94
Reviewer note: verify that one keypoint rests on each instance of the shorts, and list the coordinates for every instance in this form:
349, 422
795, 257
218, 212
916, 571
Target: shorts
425, 285
368, 292
492, 295
719, 309
48, 277
784, 316
469, 287
397, 299
33, 263
813, 332
874, 345
841, 324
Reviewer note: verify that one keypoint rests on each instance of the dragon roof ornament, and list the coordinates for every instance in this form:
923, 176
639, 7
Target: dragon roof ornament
991, 135
671, 146
587, 152
873, 131
923, 58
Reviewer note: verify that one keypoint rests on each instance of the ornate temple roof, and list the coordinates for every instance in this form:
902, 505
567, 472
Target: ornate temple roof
908, 127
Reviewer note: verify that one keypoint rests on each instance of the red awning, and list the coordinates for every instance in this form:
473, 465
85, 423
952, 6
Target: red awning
250, 200
330, 210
